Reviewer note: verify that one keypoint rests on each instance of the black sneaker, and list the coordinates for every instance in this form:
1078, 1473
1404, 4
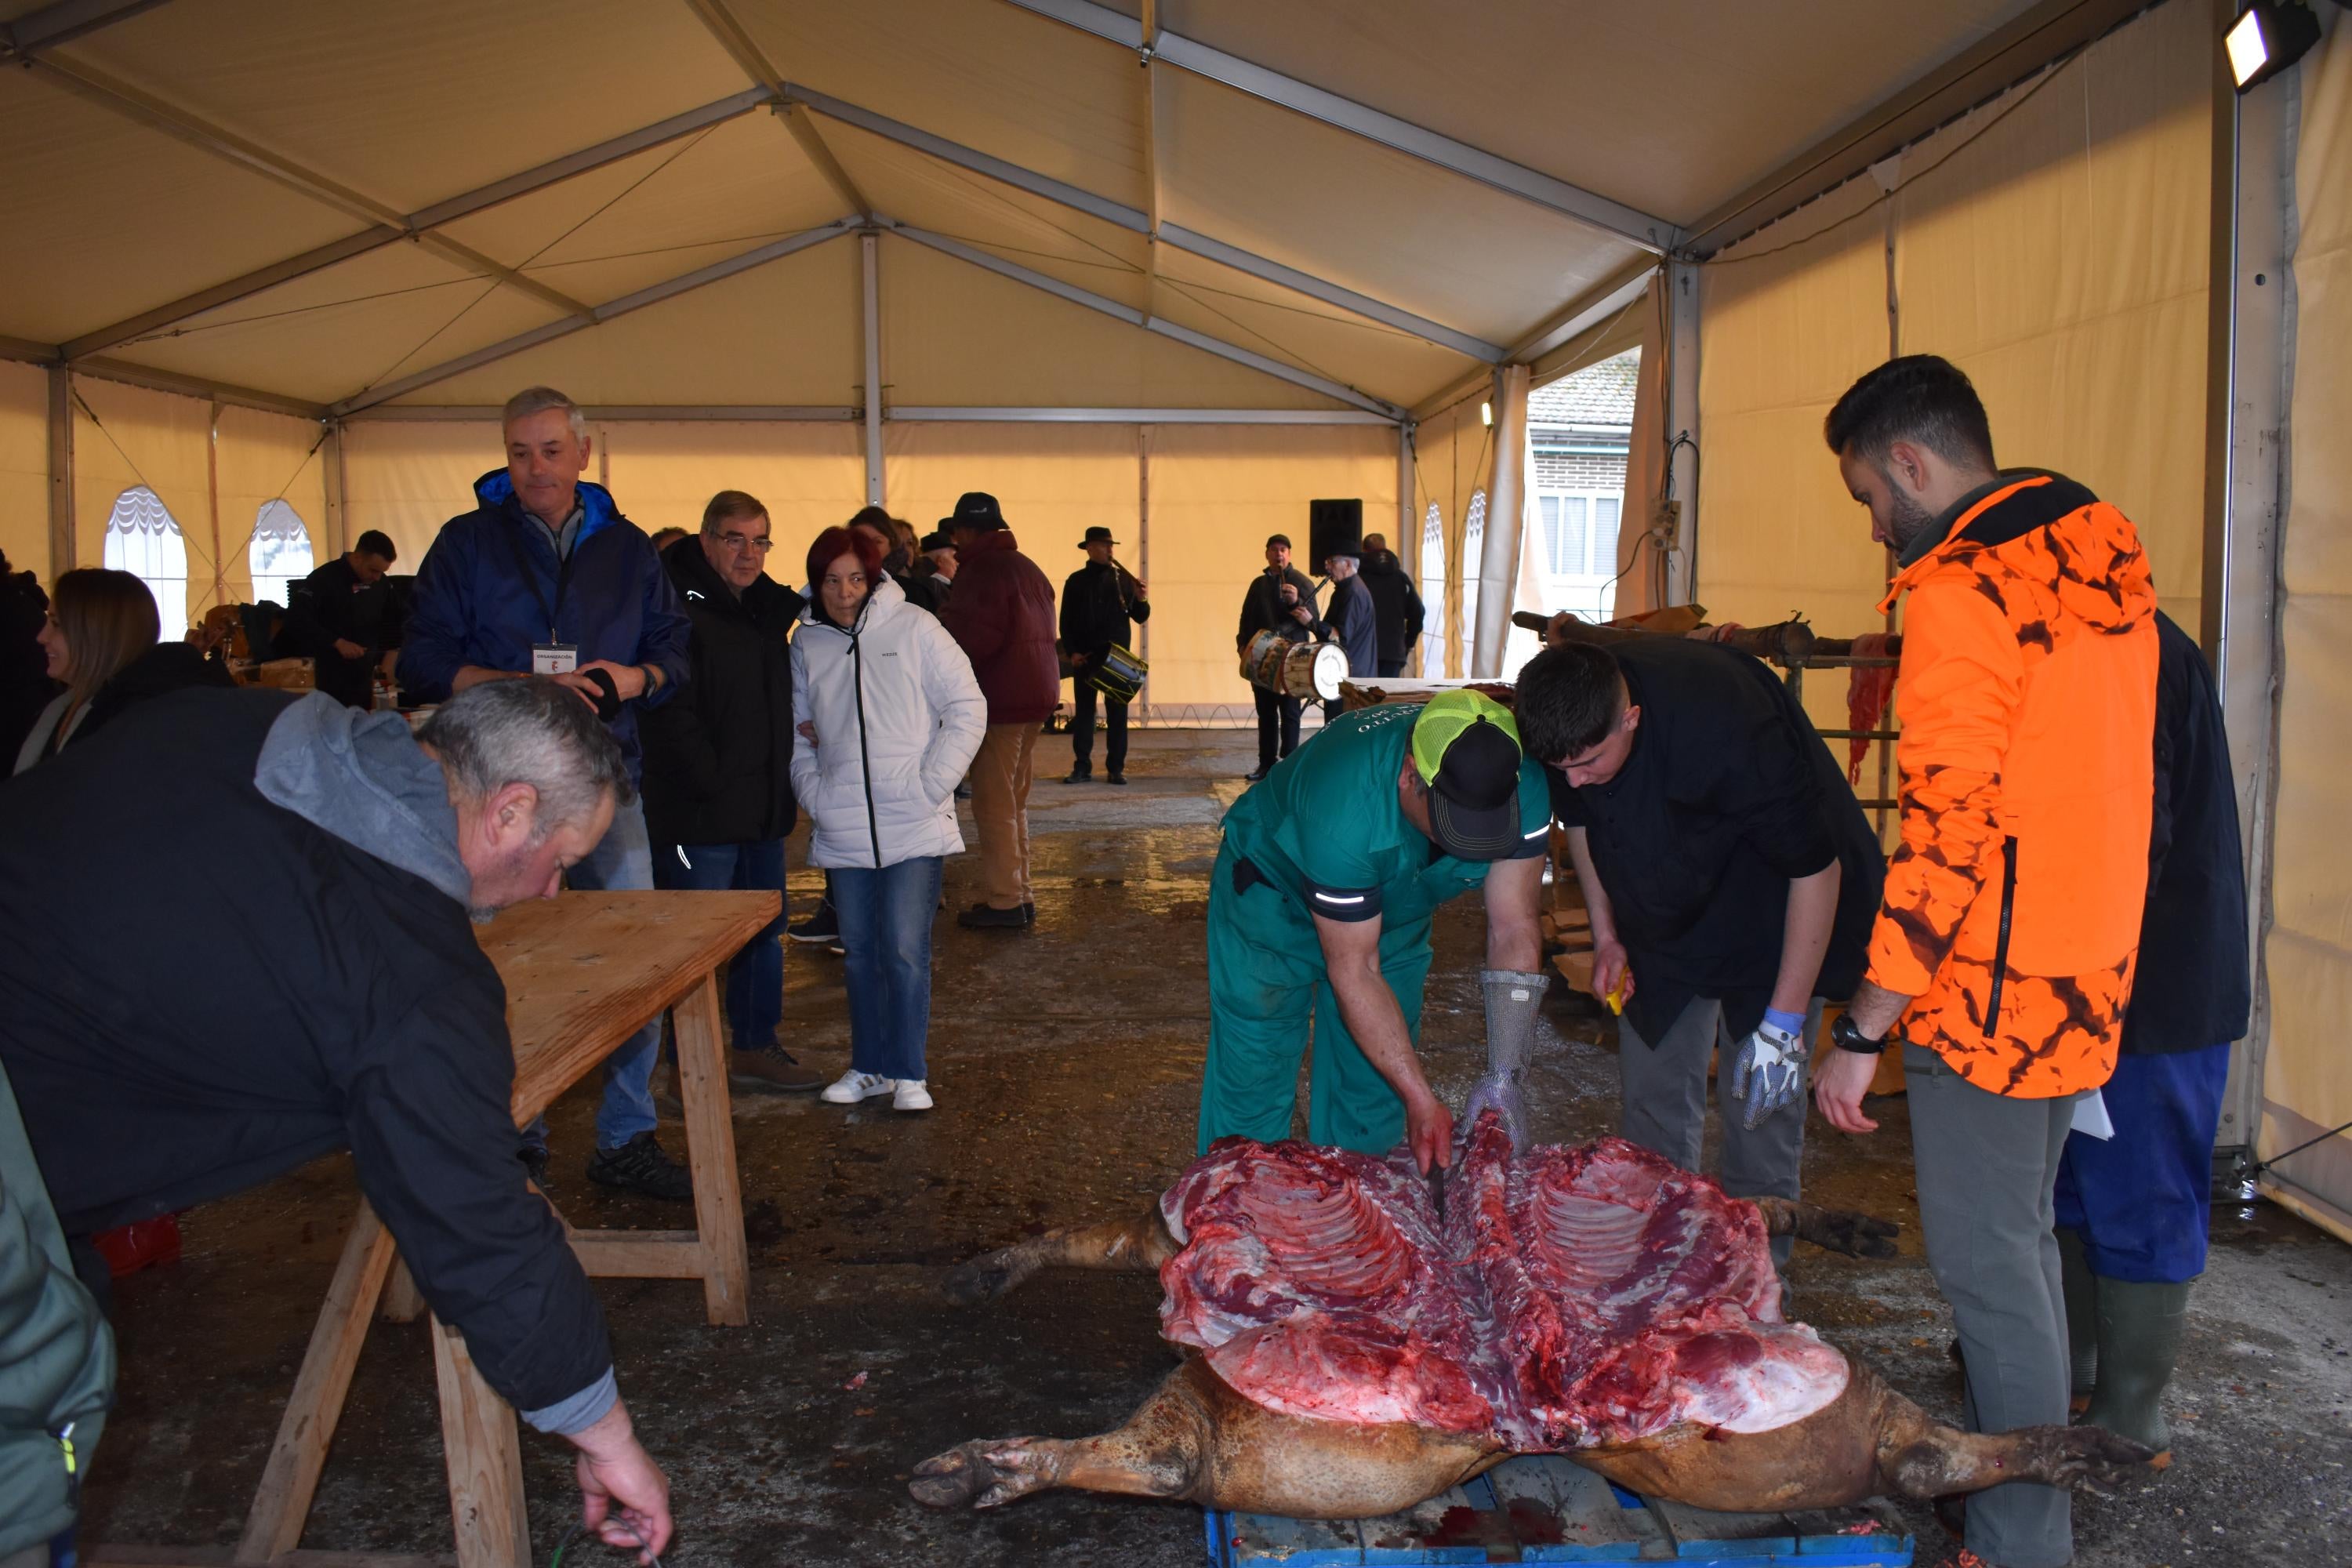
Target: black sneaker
1114, 777
987, 917
822, 926
1257, 774
1078, 776
534, 1162
1028, 914
640, 1166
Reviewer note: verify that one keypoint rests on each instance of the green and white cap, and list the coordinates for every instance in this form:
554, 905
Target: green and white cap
1465, 746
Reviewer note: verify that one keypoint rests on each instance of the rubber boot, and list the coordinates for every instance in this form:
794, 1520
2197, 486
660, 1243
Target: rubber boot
2139, 1339
2082, 1289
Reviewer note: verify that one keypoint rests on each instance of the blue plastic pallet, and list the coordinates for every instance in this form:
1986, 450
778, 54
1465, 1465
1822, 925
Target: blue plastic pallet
1542, 1508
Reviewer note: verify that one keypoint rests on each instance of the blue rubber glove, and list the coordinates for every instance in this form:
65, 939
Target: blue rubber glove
1769, 1072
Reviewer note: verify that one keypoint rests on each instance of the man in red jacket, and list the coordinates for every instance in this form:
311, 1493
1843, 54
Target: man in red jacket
1001, 615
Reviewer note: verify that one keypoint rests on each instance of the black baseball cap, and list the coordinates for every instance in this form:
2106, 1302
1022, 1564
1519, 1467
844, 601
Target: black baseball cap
1465, 746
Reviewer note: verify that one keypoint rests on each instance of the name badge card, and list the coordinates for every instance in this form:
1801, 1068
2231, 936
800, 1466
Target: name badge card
554, 658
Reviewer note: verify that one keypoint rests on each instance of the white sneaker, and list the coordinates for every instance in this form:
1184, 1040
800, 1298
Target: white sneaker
911, 1096
854, 1086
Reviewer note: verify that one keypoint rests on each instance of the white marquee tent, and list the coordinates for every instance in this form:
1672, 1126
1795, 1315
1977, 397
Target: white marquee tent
1178, 266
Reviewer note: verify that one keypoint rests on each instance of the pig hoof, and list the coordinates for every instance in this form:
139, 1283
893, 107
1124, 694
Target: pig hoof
2093, 1456
982, 1279
982, 1475
1854, 1234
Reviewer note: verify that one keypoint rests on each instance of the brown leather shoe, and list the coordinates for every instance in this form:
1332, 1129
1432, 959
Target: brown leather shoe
772, 1071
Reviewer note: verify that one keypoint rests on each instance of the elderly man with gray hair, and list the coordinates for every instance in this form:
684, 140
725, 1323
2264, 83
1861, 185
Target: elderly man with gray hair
239, 940
546, 577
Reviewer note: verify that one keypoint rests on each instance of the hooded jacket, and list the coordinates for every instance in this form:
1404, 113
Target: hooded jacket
1397, 609
488, 587
1001, 615
306, 980
719, 759
164, 669
897, 718
2027, 681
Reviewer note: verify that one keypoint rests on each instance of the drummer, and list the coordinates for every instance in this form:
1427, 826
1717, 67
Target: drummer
1319, 909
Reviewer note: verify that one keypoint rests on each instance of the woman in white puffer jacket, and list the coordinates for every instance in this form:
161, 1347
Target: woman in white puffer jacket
887, 718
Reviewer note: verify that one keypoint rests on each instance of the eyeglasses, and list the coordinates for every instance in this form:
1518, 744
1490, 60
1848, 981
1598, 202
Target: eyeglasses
737, 541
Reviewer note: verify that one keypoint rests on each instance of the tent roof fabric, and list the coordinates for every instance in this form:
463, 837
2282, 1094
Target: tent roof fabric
263, 197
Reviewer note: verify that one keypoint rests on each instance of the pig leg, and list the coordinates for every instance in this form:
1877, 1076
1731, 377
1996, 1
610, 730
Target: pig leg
1924, 1459
1834, 1230
1139, 1242
1195, 1439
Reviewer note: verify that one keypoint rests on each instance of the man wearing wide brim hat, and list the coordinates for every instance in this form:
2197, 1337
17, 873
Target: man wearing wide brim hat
1101, 604
1319, 911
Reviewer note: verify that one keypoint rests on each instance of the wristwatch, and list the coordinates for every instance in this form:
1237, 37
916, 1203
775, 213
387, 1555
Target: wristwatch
1847, 1036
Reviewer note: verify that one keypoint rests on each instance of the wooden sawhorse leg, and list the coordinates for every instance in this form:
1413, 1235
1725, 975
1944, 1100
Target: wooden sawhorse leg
485, 1458
710, 1156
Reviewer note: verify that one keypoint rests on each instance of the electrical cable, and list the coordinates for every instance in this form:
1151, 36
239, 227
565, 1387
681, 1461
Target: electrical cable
2261, 1165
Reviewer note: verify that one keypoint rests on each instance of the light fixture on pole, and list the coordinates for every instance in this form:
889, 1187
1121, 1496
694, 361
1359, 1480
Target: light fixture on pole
1487, 413
2268, 37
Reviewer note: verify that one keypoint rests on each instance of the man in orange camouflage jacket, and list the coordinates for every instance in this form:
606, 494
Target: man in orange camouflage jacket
2005, 945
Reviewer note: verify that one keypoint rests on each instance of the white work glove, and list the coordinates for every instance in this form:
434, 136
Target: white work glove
1769, 1072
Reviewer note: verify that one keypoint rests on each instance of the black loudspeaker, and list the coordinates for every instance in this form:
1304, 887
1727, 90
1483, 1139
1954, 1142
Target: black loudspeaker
1333, 527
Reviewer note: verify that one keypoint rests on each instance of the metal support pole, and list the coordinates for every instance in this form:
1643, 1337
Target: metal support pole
61, 471
1408, 536
1682, 419
868, 243
1143, 557
338, 529
1498, 552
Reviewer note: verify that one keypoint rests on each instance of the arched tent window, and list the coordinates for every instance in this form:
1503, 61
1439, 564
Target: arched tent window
1474, 533
1433, 593
143, 539
280, 551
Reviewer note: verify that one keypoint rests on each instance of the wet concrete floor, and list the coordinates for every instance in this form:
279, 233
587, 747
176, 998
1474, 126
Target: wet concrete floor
1065, 1061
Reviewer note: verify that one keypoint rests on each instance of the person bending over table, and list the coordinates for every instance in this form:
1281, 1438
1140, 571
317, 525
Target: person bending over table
240, 940
1319, 908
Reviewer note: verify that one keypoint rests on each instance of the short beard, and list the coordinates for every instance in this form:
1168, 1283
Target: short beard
1906, 520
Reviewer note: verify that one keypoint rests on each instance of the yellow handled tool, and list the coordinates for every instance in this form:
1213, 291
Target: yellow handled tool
1616, 997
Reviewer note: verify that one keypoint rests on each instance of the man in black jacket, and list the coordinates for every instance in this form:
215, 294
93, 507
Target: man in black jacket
1280, 599
2133, 1208
1397, 609
719, 782
1731, 878
341, 616
1348, 620
307, 980
1101, 604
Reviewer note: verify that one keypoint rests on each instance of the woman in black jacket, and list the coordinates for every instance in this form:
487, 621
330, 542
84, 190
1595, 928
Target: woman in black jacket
719, 787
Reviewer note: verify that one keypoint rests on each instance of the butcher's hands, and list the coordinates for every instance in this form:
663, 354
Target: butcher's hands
614, 1469
1429, 1132
1608, 967
1839, 1084
1769, 1072
628, 680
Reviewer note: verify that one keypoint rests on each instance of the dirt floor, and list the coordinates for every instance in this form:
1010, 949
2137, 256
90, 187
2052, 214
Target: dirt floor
1066, 1061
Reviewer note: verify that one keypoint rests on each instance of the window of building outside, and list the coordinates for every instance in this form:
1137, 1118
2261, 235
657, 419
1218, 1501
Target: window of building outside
279, 553
1474, 533
143, 539
1432, 594
1579, 428
1578, 547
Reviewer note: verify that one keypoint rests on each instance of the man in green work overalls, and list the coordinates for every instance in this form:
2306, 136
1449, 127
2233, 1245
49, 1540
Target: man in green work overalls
1320, 908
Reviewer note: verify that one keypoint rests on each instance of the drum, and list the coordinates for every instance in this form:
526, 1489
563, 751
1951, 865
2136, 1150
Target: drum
1120, 676
1308, 670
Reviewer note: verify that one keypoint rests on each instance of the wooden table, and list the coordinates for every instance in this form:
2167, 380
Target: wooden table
583, 973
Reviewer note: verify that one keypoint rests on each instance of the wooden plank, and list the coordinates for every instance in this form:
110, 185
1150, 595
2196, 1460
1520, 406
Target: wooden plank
287, 1483
485, 1460
403, 1302
710, 1153
640, 1254
583, 973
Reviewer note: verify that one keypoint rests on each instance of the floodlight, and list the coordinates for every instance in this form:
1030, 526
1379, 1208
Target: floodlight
2268, 37
1486, 413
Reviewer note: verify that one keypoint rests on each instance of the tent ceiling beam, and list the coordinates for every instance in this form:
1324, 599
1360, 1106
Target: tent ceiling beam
654, 294
379, 235
1651, 233
200, 386
1323, 385
753, 62
1592, 309
948, 415
635, 413
65, 21
134, 103
2004, 57
1139, 222
1156, 207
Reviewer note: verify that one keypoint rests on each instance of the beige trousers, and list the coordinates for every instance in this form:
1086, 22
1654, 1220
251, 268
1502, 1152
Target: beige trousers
1000, 810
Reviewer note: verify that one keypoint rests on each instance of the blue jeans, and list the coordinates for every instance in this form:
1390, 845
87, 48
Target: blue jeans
886, 929
755, 979
623, 861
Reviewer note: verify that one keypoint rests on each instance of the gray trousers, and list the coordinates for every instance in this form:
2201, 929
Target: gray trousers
1985, 1165
1663, 1107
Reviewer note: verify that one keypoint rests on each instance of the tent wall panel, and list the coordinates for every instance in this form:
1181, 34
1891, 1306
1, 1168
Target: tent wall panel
409, 479
2307, 1075
1453, 451
153, 439
1217, 490
809, 477
25, 468
265, 458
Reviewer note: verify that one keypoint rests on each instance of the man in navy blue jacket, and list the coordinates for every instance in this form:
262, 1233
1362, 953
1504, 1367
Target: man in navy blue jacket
547, 577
